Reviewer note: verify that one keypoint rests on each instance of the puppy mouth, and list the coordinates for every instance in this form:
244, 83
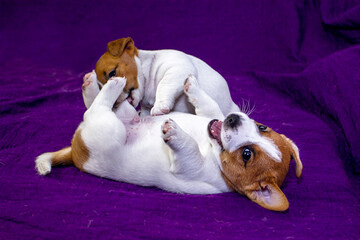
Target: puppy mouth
214, 129
124, 96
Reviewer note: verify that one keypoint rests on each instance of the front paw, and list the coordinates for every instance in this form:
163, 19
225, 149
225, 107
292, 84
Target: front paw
171, 133
160, 109
112, 91
168, 129
115, 84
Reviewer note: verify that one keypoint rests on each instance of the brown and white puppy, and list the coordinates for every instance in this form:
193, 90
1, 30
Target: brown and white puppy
180, 152
156, 78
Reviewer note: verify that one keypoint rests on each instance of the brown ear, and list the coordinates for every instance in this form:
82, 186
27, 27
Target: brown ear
117, 47
269, 196
295, 155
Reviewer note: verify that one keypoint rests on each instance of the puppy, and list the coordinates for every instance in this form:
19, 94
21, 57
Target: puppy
179, 152
156, 78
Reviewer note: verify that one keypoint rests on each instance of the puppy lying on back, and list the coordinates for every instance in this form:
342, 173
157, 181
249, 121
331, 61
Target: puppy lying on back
180, 152
156, 78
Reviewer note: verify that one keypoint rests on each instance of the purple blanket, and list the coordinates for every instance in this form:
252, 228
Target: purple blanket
297, 62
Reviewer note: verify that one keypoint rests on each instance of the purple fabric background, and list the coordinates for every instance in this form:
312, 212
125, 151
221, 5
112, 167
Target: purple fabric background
298, 62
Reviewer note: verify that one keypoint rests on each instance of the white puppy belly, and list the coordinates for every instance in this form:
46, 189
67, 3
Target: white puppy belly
145, 159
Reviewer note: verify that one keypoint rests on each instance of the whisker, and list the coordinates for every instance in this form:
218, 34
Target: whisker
246, 107
251, 110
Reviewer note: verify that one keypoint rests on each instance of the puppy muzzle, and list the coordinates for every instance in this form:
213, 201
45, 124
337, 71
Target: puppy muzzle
233, 120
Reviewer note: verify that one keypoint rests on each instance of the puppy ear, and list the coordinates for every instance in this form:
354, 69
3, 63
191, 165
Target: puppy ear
117, 47
269, 196
294, 151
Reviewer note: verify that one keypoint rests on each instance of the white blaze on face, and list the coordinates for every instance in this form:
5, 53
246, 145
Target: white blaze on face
247, 133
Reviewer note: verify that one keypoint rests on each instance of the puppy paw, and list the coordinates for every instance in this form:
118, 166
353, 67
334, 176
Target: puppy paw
172, 134
90, 82
111, 92
90, 88
117, 82
192, 90
191, 85
43, 164
90, 76
169, 130
160, 109
115, 86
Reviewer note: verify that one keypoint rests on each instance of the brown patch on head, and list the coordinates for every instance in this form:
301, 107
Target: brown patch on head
250, 171
119, 61
80, 153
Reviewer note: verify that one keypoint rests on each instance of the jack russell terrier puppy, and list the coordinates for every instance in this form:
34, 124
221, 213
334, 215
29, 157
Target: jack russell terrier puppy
156, 78
198, 154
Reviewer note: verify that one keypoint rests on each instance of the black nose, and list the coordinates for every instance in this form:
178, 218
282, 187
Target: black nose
233, 120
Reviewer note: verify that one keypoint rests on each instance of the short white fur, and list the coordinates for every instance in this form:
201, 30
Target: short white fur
161, 75
173, 152
247, 134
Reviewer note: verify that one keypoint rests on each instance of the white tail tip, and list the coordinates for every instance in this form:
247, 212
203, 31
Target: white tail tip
43, 163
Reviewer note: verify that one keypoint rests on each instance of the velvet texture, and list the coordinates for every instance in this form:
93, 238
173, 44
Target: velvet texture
297, 62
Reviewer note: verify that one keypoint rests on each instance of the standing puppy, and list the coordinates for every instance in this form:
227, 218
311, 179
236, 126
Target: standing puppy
156, 78
180, 152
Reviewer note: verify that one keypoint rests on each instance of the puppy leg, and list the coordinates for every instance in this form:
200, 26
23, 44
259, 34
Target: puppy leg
204, 105
188, 160
168, 90
90, 88
109, 93
101, 125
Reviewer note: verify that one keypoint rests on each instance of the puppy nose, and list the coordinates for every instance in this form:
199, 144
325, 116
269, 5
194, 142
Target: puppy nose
233, 120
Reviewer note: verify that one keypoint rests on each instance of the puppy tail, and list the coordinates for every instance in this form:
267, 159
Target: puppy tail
45, 161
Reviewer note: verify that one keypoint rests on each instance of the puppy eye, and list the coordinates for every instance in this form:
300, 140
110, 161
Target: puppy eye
262, 128
112, 73
246, 154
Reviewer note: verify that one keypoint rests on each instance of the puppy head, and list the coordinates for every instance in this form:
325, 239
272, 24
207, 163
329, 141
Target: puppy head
119, 61
255, 159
